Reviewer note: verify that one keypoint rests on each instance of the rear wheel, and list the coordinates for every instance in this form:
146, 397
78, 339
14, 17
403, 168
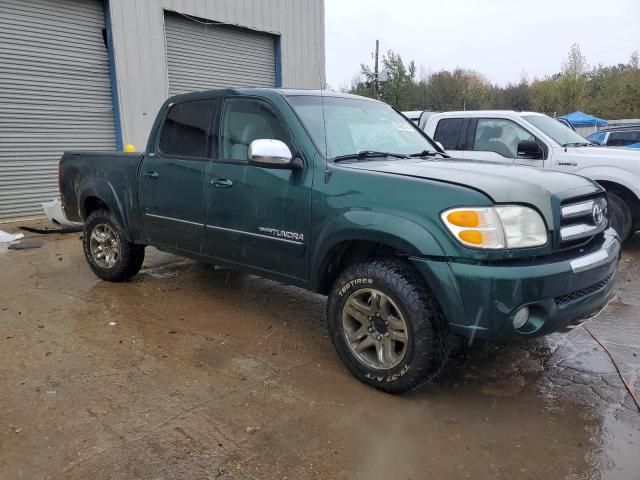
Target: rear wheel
386, 325
619, 215
109, 254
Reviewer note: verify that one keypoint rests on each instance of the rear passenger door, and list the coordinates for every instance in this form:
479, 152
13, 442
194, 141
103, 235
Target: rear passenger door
170, 180
451, 133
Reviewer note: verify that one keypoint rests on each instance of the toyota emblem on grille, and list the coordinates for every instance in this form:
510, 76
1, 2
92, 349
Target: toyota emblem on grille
598, 214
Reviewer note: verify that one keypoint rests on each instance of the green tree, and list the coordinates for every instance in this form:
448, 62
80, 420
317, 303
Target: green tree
545, 96
573, 80
397, 89
607, 91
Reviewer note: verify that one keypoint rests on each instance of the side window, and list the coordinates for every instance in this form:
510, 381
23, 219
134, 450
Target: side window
186, 131
245, 120
499, 136
447, 132
620, 139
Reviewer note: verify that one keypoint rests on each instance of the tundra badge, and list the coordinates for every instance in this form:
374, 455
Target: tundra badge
274, 232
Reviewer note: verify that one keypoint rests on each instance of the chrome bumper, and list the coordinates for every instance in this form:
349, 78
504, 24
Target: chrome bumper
609, 251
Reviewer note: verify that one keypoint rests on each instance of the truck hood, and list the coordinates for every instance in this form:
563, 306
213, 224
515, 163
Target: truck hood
607, 153
502, 183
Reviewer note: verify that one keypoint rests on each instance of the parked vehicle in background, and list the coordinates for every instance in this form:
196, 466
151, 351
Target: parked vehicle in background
617, 137
534, 139
419, 117
566, 123
424, 118
343, 196
413, 115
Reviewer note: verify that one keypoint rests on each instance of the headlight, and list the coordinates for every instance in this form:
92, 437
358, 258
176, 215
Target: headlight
499, 227
523, 226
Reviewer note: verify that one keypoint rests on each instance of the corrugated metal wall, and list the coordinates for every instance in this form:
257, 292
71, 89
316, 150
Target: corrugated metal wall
201, 56
55, 95
138, 31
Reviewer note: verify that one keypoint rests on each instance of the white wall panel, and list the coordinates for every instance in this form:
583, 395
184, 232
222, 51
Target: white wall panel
141, 56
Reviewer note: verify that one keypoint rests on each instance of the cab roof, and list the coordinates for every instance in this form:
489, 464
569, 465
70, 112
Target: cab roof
471, 113
262, 92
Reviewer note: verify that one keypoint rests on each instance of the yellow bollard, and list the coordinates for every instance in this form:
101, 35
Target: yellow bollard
129, 148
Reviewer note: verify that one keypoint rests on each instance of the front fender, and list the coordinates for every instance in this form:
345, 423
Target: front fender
103, 190
397, 232
621, 176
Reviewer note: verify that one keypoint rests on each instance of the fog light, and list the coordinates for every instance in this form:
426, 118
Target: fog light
521, 318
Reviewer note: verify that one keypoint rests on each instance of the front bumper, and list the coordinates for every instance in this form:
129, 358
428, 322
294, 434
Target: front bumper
480, 300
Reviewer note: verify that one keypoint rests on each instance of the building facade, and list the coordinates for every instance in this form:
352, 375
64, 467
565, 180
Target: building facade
91, 74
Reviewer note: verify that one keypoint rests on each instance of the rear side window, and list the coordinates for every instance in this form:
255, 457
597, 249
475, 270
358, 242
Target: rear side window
187, 130
620, 139
447, 132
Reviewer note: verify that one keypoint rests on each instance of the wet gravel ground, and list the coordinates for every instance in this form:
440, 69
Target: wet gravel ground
194, 372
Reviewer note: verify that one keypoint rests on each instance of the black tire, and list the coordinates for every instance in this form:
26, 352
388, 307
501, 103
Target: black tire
428, 336
620, 217
129, 258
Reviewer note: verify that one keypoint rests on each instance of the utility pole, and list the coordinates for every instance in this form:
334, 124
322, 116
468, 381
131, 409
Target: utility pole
376, 75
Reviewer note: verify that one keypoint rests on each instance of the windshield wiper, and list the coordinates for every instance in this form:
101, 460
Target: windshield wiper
367, 154
578, 144
429, 153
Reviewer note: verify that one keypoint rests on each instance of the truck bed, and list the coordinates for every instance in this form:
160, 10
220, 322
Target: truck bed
105, 175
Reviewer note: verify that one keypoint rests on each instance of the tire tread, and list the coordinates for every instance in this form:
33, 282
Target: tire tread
431, 332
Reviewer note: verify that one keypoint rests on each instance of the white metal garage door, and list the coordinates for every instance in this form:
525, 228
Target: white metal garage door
55, 95
201, 57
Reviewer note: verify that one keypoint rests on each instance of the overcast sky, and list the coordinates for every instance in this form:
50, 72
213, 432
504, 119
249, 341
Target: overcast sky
498, 38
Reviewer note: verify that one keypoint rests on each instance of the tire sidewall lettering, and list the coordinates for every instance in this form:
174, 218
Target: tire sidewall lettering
389, 378
361, 281
344, 291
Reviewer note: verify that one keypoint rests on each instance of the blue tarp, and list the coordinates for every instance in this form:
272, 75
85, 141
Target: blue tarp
580, 119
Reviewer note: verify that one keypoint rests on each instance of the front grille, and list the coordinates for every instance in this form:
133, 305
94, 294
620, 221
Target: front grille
583, 292
582, 219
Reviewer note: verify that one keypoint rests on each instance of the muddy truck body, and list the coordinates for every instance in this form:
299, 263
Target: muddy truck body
343, 196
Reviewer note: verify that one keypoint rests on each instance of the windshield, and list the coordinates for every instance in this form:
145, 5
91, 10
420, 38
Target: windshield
354, 125
560, 133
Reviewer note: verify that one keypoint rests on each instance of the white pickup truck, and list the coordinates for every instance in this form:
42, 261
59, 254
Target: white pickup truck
529, 138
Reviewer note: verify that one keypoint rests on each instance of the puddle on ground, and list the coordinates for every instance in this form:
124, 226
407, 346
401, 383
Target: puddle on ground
256, 352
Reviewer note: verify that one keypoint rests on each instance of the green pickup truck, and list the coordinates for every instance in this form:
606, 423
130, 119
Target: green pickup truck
344, 196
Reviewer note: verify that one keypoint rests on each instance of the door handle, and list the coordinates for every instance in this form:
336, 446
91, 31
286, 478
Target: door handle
151, 175
221, 183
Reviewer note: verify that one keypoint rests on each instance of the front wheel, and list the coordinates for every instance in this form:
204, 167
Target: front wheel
386, 325
619, 215
109, 254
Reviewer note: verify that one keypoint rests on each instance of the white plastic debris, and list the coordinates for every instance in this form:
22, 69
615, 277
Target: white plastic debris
53, 211
112, 324
6, 237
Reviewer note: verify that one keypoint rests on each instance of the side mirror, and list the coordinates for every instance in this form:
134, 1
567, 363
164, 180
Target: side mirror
530, 149
268, 153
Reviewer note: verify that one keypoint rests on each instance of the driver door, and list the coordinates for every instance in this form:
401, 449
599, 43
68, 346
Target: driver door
257, 217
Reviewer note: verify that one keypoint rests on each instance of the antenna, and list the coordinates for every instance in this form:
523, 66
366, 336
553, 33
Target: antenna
327, 173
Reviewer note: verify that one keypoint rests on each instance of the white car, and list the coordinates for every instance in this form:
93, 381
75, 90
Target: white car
529, 138
419, 117
413, 115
